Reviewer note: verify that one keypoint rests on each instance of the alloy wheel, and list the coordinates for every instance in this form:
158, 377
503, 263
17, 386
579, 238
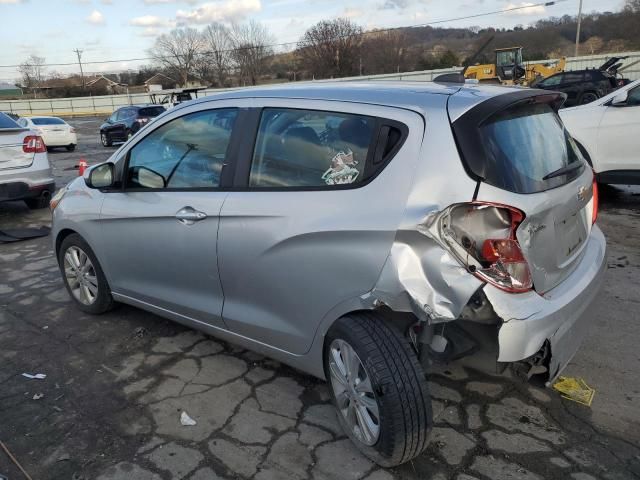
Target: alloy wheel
353, 392
80, 275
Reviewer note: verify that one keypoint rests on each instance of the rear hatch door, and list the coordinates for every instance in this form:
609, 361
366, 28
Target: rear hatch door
524, 157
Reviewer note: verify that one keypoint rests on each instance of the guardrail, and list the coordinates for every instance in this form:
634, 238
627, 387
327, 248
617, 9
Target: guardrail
105, 105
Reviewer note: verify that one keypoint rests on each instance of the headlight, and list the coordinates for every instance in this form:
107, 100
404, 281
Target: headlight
55, 200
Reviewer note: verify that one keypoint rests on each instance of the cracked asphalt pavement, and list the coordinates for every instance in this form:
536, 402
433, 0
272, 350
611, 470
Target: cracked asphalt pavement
116, 386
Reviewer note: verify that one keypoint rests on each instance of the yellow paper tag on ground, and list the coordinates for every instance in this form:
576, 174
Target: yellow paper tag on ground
575, 389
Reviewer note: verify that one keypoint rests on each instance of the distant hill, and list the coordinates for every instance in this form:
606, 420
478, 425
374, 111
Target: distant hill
421, 48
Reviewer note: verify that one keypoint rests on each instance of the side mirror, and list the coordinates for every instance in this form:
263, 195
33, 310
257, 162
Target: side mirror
100, 176
620, 99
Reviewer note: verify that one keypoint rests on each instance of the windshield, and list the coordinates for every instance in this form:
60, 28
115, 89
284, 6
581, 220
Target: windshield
47, 121
151, 111
525, 144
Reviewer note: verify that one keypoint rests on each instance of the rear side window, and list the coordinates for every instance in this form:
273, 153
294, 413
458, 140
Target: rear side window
47, 121
151, 111
317, 149
188, 152
523, 145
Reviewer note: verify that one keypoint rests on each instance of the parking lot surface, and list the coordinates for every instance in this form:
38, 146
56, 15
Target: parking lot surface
116, 386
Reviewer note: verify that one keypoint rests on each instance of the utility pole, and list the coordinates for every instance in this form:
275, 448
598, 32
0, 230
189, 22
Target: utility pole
79, 53
578, 30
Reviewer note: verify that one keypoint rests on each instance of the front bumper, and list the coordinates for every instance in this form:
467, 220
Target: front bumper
561, 316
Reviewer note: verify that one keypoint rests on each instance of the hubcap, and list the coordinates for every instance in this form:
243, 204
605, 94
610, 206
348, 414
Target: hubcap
353, 391
103, 137
80, 275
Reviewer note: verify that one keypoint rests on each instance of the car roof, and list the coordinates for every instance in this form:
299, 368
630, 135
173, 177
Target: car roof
43, 117
404, 94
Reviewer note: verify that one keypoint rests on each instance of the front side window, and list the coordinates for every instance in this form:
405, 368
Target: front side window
188, 152
305, 148
551, 81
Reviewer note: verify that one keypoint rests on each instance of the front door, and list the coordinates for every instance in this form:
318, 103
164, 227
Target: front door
618, 140
160, 231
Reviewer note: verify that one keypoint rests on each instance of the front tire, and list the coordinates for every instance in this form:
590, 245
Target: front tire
379, 389
83, 277
105, 139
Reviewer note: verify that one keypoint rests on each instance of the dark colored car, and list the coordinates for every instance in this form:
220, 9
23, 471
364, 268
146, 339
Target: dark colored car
585, 86
126, 121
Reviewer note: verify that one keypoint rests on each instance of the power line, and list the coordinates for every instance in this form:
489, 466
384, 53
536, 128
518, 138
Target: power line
283, 44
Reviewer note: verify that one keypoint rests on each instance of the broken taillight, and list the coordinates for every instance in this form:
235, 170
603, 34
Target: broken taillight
33, 144
482, 236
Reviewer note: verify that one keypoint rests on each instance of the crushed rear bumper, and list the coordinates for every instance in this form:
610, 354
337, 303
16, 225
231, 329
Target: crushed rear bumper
561, 316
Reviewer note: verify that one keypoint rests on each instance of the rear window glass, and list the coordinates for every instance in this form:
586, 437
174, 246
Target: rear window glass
7, 122
525, 144
308, 148
151, 111
47, 121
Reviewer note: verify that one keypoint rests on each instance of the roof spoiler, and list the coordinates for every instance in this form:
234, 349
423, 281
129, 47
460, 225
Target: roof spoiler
450, 78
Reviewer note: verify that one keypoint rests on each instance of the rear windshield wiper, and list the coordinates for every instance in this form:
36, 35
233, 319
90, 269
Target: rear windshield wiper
564, 170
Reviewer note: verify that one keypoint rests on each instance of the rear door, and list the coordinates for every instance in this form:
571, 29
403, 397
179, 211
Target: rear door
618, 135
159, 232
315, 213
517, 148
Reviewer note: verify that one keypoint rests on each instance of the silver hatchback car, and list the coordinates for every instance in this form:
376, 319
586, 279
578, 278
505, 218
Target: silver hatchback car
357, 232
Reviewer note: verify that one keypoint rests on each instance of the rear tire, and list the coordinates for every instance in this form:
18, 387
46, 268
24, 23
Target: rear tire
588, 97
399, 392
70, 148
37, 203
105, 139
99, 299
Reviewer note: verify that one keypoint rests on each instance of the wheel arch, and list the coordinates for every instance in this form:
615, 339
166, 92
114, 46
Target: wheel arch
62, 234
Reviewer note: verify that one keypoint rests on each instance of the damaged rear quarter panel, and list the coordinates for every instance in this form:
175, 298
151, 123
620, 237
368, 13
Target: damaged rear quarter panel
420, 276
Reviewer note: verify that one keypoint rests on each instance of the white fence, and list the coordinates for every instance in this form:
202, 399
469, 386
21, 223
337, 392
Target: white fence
104, 105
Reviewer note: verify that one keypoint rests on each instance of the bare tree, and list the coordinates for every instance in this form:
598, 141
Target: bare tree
331, 48
32, 71
385, 51
217, 61
251, 47
178, 52
632, 6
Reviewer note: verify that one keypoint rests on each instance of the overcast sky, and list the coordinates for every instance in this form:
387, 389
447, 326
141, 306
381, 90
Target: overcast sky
123, 29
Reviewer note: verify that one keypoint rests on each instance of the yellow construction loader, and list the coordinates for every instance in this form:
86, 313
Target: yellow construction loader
509, 69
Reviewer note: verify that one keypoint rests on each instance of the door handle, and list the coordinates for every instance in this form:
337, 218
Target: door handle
189, 215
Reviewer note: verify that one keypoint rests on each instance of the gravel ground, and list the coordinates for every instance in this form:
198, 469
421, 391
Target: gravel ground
116, 385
